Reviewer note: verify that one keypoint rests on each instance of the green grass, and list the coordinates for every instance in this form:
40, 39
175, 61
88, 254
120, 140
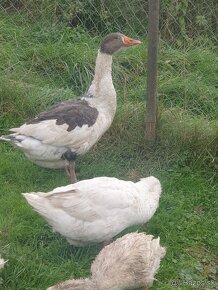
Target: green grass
41, 64
186, 222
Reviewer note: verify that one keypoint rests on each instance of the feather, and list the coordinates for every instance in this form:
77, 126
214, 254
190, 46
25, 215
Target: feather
2, 263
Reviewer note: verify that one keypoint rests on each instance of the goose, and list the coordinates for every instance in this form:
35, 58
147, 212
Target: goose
129, 262
55, 138
95, 210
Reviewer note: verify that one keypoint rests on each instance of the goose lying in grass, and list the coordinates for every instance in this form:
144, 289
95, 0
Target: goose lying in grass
55, 138
95, 210
128, 263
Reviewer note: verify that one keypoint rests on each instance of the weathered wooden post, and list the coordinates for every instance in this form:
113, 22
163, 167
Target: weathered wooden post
151, 104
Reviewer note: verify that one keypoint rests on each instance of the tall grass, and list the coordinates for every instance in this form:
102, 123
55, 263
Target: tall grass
46, 64
180, 21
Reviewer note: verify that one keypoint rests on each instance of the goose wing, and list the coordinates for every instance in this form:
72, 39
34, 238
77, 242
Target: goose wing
94, 199
62, 123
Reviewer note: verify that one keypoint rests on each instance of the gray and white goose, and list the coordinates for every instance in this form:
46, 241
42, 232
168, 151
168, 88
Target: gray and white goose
54, 138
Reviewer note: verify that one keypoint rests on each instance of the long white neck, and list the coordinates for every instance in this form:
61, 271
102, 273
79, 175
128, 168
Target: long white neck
102, 83
103, 66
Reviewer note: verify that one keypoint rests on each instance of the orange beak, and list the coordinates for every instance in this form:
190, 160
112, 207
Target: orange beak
130, 41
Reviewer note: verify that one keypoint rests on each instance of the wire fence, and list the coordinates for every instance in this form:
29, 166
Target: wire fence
54, 22
179, 19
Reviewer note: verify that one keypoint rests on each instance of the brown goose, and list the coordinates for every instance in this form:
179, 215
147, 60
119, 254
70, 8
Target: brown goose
55, 138
128, 263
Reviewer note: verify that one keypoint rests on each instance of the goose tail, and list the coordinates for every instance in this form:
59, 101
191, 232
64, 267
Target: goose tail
8, 138
38, 202
14, 138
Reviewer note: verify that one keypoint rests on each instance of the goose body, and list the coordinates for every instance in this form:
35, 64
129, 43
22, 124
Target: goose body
95, 210
54, 138
129, 262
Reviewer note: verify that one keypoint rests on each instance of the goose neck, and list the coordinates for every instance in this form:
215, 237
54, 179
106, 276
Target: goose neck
103, 66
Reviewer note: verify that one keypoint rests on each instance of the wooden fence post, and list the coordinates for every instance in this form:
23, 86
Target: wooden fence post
151, 104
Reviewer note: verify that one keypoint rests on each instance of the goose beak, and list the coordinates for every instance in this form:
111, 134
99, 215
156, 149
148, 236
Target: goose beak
127, 41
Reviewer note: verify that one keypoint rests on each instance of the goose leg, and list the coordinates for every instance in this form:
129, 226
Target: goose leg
144, 288
70, 170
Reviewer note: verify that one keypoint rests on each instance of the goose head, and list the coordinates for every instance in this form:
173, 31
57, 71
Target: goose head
115, 41
151, 185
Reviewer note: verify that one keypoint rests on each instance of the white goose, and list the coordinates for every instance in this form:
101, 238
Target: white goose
55, 138
95, 210
128, 263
